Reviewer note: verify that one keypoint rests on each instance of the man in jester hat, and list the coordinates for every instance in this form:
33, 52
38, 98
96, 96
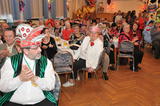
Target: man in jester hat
28, 78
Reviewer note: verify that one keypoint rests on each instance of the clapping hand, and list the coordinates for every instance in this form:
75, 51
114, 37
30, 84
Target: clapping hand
26, 74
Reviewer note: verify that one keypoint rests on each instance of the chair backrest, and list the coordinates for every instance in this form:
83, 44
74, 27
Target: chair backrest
126, 46
63, 59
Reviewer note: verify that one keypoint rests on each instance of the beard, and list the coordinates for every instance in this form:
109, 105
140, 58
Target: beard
38, 56
35, 57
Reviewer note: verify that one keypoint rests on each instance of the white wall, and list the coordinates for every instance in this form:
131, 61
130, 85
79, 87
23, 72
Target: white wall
123, 5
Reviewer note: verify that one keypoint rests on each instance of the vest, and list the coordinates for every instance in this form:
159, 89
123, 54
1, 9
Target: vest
41, 64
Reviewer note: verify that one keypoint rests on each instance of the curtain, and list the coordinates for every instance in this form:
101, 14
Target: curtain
16, 12
27, 9
15, 9
5, 7
6, 10
45, 9
59, 8
37, 8
53, 9
34, 8
65, 8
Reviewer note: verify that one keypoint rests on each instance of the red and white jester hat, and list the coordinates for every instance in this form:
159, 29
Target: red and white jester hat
27, 36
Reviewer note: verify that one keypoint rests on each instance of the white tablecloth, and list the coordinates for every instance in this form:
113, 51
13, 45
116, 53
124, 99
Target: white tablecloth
63, 45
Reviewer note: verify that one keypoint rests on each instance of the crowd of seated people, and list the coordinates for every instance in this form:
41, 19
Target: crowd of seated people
90, 37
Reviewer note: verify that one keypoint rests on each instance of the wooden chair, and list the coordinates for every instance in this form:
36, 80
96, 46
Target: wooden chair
84, 70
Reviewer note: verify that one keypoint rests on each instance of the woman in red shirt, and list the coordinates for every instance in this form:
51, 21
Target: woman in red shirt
66, 33
138, 54
125, 34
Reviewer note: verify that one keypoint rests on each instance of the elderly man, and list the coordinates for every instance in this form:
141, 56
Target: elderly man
88, 54
7, 49
28, 78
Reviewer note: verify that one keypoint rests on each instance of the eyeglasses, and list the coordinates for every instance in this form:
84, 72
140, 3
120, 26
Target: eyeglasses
35, 47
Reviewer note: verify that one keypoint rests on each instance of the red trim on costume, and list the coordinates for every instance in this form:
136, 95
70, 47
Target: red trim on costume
34, 33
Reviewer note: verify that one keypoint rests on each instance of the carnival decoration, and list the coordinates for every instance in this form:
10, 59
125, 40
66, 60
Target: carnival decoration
152, 6
49, 4
87, 10
91, 2
158, 14
21, 5
21, 8
50, 7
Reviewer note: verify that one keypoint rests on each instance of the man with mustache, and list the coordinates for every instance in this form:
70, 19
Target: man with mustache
28, 78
